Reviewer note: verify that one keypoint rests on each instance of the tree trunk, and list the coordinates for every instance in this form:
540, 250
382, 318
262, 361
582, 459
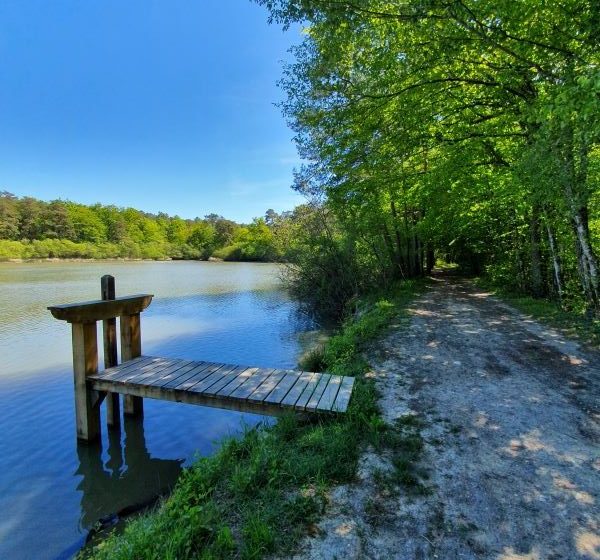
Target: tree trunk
556, 264
537, 286
430, 259
575, 191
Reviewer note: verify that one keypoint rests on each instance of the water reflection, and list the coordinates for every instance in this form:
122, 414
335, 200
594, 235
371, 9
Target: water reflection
129, 477
52, 491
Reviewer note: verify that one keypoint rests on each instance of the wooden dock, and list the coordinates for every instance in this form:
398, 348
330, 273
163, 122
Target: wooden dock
234, 387
244, 388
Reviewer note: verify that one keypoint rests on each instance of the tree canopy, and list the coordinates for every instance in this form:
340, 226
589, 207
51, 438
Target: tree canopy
466, 128
31, 228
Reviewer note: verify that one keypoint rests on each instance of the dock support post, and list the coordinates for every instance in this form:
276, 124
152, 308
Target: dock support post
85, 362
131, 347
109, 329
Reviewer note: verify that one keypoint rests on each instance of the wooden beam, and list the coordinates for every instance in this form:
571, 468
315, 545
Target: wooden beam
181, 380
85, 363
131, 347
99, 310
190, 397
109, 329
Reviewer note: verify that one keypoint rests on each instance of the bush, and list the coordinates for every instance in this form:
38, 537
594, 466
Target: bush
326, 277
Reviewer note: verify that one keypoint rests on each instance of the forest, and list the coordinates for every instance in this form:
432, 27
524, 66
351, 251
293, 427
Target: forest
445, 128
31, 228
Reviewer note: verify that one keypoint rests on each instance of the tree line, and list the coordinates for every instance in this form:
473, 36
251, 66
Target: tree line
464, 129
31, 228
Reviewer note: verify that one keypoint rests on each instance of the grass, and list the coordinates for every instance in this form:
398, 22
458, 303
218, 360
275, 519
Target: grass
573, 323
260, 494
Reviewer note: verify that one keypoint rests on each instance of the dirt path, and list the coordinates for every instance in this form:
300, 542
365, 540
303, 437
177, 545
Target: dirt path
511, 413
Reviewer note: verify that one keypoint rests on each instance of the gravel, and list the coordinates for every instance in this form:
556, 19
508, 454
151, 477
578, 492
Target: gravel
512, 430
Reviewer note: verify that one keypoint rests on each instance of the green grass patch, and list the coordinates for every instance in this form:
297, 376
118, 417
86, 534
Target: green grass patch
259, 494
313, 360
573, 323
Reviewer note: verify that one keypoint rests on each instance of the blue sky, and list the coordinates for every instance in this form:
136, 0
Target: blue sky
156, 104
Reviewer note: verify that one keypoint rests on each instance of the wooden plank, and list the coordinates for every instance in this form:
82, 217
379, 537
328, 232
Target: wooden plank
328, 396
131, 347
226, 379
85, 363
191, 397
199, 369
159, 373
306, 382
109, 326
211, 379
283, 387
261, 392
201, 376
127, 374
109, 335
343, 397
146, 370
98, 310
308, 391
238, 381
177, 373
128, 367
319, 390
295, 392
131, 337
114, 371
250, 385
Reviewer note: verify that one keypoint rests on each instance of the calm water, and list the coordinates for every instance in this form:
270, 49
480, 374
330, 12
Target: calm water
53, 490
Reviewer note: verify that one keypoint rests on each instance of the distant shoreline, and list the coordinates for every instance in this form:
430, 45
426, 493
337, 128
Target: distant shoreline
126, 259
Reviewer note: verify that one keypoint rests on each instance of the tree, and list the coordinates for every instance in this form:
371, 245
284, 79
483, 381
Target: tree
9, 216
202, 238
422, 121
87, 224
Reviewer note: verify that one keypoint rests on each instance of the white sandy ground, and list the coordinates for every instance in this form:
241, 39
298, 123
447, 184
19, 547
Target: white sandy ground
511, 414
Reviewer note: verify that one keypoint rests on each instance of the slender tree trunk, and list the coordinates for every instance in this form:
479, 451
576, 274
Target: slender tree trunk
430, 259
397, 234
574, 190
537, 287
417, 254
395, 257
556, 264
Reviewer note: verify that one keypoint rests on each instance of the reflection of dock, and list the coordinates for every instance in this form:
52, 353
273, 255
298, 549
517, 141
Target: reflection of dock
130, 476
244, 388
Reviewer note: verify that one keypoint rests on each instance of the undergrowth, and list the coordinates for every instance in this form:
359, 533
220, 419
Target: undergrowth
259, 494
572, 322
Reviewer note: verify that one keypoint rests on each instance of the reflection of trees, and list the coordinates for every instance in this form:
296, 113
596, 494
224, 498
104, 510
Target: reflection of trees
126, 479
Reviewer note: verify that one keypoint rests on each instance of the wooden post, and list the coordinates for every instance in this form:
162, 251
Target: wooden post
109, 329
131, 347
85, 362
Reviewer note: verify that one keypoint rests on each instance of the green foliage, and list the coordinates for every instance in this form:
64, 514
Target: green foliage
31, 228
468, 129
202, 238
258, 494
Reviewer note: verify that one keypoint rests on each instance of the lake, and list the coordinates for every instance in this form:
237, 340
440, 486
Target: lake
53, 490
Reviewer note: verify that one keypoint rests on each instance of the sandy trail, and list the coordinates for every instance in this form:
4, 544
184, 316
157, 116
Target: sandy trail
511, 412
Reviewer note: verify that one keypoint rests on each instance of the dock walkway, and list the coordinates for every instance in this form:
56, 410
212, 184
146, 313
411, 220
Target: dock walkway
234, 387
244, 388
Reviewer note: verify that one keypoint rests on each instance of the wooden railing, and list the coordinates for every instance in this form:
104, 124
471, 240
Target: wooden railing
83, 318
